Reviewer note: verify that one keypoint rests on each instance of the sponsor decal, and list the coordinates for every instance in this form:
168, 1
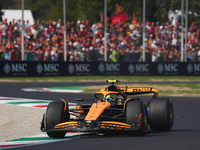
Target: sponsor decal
79, 69
101, 68
7, 68
112, 67
171, 67
142, 90
160, 68
48, 69
109, 68
39, 68
25, 69
168, 68
196, 67
131, 68
139, 69
193, 68
16, 69
71, 68
189, 68
82, 67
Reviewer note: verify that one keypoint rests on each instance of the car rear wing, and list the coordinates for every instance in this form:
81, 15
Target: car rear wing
130, 91
136, 91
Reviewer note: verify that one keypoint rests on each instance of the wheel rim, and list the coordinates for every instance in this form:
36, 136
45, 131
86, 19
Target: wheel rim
171, 114
145, 118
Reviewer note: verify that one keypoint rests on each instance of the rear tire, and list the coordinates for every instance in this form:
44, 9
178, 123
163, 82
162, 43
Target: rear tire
133, 109
55, 114
161, 115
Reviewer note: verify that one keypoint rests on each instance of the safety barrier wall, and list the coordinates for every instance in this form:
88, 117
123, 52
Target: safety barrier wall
44, 68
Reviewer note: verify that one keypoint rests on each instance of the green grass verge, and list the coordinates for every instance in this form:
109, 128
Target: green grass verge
193, 89
171, 89
95, 78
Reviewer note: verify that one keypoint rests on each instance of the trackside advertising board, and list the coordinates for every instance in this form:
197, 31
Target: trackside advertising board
45, 68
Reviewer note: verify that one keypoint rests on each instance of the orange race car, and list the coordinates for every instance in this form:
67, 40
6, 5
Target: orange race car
112, 110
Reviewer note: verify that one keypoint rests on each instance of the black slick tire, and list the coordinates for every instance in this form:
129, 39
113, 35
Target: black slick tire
161, 116
55, 114
133, 109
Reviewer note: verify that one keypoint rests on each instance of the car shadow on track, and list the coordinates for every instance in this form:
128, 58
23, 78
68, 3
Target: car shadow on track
149, 134
125, 135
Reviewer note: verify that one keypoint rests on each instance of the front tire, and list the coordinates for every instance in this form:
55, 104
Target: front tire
55, 114
161, 115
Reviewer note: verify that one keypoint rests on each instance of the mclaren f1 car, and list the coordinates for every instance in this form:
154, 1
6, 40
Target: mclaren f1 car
113, 109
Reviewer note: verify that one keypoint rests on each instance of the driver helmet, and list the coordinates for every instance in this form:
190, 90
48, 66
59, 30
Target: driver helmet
111, 98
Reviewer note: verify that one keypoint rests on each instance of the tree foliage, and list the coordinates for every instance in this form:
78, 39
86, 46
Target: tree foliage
156, 10
3, 4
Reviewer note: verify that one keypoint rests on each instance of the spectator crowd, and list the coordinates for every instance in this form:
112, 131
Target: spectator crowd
43, 41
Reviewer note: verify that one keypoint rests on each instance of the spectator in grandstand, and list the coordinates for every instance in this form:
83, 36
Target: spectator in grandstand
115, 54
58, 26
28, 50
4, 28
2, 52
86, 42
16, 53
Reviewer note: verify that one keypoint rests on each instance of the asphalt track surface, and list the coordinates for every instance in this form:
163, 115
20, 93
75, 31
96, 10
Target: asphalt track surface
185, 134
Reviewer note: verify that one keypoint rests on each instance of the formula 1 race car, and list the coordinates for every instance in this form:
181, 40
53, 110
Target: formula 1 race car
110, 111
